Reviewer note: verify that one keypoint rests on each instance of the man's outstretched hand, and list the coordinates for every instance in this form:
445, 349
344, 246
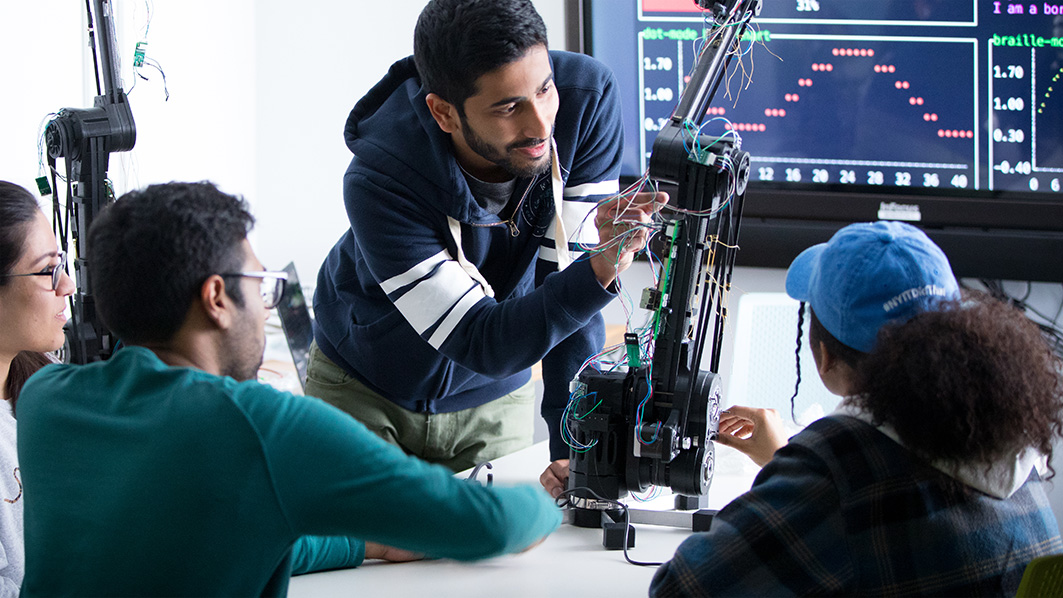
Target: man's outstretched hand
622, 232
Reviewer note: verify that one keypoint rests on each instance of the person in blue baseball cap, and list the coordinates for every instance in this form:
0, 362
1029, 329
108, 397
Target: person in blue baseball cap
926, 480
868, 275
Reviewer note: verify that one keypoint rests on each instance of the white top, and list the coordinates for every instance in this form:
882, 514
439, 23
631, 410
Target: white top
12, 553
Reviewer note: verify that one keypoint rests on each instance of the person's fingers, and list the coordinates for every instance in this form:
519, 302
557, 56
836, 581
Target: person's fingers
744, 431
390, 553
553, 488
732, 441
560, 469
635, 242
549, 481
555, 476
649, 201
731, 416
732, 425
398, 555
742, 411
638, 208
601, 217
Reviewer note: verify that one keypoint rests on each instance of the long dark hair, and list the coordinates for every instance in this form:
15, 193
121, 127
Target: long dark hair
972, 382
18, 208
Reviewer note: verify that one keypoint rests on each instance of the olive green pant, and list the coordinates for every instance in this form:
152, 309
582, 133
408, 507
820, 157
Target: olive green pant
457, 440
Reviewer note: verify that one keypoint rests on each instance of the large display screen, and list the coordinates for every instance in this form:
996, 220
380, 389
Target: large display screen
944, 113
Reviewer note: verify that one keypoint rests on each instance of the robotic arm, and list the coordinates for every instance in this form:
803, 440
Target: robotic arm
85, 138
654, 423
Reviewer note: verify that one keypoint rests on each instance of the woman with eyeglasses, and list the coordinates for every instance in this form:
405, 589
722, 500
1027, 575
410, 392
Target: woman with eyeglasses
33, 291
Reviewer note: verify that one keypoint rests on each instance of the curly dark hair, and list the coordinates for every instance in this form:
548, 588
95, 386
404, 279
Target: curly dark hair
971, 382
457, 41
153, 249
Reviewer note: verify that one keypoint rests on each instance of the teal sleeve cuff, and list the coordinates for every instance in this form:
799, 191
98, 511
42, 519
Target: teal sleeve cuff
321, 553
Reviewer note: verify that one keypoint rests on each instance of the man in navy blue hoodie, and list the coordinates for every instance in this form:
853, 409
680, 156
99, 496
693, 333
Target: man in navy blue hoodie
478, 166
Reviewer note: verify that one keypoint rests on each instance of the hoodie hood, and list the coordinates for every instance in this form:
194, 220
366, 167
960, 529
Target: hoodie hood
1001, 480
396, 141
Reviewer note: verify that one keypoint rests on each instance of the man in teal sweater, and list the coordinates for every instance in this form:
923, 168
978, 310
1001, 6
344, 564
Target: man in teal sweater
168, 470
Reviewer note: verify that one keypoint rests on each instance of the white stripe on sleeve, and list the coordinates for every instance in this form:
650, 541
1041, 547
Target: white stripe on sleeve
578, 217
425, 303
466, 303
413, 274
548, 254
601, 188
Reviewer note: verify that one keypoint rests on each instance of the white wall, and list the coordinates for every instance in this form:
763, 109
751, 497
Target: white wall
40, 71
314, 64
259, 93
204, 131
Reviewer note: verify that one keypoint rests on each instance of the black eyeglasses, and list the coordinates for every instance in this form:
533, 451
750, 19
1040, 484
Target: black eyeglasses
56, 272
271, 287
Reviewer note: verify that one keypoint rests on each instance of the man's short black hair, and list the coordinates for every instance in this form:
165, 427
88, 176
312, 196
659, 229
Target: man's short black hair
457, 41
152, 250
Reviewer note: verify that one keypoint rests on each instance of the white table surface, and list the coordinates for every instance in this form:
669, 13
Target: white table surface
571, 561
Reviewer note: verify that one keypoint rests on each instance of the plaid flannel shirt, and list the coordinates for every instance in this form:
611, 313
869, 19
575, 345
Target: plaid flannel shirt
842, 509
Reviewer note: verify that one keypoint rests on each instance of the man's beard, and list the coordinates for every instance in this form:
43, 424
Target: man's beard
243, 370
245, 350
488, 152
